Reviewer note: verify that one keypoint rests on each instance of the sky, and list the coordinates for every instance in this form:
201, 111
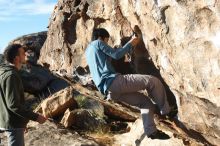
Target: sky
21, 17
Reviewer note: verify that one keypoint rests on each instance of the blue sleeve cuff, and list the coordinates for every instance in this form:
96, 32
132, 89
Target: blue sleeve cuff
128, 45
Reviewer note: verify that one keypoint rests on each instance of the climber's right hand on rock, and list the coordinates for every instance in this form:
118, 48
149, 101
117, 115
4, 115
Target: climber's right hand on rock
134, 40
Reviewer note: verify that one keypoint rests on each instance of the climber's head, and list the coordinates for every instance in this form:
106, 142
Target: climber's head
100, 33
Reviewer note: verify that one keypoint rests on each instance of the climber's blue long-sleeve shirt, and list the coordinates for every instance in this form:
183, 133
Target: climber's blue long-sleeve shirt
98, 56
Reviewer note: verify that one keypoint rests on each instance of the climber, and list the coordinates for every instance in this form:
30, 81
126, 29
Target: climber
13, 114
126, 88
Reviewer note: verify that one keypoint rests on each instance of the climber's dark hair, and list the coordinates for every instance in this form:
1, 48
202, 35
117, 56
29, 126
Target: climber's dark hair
11, 51
100, 32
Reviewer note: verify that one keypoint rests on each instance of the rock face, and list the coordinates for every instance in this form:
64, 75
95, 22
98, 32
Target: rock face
1, 58
180, 39
40, 81
59, 102
52, 134
33, 41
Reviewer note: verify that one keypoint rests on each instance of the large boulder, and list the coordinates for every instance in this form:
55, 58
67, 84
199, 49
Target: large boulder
180, 38
40, 81
32, 41
90, 104
89, 116
59, 102
83, 119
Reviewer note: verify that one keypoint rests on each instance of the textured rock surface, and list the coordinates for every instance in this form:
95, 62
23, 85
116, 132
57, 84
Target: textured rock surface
134, 137
96, 108
180, 36
59, 102
51, 134
89, 116
82, 119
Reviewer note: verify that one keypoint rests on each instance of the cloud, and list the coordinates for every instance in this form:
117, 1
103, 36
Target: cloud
16, 9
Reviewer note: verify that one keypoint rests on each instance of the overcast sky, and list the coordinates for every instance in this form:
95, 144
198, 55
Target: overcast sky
20, 17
